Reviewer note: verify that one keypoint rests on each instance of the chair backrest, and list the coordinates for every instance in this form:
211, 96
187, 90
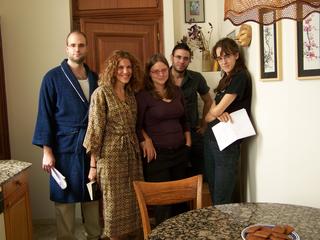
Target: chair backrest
163, 193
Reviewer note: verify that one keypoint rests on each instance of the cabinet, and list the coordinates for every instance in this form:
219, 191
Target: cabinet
17, 212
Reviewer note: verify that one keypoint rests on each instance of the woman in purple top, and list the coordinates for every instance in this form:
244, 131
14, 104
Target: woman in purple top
162, 128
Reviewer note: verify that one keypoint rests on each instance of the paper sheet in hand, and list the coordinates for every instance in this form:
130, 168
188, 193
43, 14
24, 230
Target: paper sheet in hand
227, 133
59, 178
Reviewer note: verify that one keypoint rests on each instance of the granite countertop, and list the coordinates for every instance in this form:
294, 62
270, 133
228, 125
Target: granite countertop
10, 168
227, 221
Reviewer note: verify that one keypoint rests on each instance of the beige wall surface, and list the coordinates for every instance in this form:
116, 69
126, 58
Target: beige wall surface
33, 37
283, 159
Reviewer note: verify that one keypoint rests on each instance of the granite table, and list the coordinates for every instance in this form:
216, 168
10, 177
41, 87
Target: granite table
225, 222
10, 168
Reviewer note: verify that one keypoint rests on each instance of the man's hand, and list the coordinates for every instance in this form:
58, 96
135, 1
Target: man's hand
48, 160
201, 129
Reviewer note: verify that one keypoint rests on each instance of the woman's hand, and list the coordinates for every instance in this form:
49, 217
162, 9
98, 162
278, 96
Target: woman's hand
225, 117
93, 168
92, 174
148, 149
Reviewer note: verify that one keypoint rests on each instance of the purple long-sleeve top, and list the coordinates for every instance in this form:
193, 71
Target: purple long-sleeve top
164, 122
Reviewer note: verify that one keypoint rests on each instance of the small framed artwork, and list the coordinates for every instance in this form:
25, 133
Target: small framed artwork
232, 35
308, 47
194, 11
270, 52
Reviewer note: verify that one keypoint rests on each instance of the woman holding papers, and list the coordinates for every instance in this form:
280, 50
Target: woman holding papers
233, 93
162, 129
112, 142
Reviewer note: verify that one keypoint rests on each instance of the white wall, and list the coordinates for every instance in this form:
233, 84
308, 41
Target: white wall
284, 162
33, 34
168, 27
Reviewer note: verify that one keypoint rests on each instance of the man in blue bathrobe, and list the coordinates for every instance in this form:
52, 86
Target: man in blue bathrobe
60, 129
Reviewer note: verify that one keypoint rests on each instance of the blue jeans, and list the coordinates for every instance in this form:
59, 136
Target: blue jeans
220, 169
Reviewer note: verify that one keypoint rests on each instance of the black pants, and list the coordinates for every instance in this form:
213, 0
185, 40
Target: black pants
196, 157
171, 164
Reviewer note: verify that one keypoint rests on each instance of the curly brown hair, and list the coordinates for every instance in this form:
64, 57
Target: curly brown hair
170, 88
108, 76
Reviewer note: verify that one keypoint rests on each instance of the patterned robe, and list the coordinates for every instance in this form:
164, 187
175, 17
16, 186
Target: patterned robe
111, 136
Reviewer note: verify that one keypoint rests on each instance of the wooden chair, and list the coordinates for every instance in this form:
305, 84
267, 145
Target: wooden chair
163, 193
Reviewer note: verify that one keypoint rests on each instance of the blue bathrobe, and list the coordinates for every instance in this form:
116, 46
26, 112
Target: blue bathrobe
61, 124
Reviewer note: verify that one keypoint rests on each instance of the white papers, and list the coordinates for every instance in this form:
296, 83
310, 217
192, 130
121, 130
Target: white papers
59, 178
90, 189
227, 132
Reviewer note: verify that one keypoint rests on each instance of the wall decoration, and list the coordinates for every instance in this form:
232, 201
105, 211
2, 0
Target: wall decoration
244, 35
232, 35
270, 52
308, 47
194, 11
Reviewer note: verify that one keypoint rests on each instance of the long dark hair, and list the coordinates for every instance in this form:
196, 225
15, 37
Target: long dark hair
229, 46
148, 83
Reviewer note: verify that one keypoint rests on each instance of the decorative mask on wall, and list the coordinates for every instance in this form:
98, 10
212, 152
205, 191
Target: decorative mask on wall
244, 36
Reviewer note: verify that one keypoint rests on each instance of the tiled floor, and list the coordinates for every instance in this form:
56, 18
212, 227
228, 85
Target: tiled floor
47, 231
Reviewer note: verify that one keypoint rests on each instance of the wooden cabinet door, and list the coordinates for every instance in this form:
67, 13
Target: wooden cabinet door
83, 5
17, 213
141, 38
17, 222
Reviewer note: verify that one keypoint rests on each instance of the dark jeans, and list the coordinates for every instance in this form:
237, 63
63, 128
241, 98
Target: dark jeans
196, 154
221, 169
171, 164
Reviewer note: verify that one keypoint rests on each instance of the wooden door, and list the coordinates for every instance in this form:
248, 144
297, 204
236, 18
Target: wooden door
4, 133
135, 26
105, 36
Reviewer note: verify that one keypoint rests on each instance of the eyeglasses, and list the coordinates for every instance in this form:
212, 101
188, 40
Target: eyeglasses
74, 45
185, 59
159, 71
225, 57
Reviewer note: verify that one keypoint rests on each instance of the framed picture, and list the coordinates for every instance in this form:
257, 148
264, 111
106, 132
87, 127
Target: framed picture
308, 47
232, 35
194, 11
270, 52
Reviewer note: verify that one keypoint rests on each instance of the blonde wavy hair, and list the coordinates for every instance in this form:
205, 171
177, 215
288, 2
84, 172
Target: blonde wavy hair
108, 76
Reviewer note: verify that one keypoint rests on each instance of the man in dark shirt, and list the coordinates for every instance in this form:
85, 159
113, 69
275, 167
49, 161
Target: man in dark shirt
191, 83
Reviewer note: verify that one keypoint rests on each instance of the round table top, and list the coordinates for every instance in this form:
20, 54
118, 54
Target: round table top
224, 222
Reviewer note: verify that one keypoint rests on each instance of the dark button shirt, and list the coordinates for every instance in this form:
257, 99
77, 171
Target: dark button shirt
192, 84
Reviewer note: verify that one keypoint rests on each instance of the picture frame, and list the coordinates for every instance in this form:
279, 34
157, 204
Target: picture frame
308, 47
270, 52
194, 11
232, 34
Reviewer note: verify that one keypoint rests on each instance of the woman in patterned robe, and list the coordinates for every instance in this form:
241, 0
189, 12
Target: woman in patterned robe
112, 142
